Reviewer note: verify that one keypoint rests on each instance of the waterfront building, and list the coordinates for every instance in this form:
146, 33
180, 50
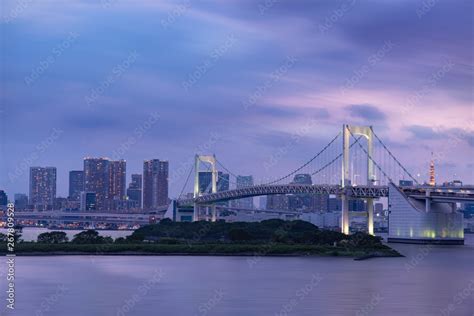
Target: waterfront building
330, 220
76, 184
117, 180
357, 205
155, 183
205, 181
21, 201
277, 202
303, 178
405, 183
42, 187
96, 179
243, 182
423, 222
134, 191
3, 198
88, 201
334, 204
301, 201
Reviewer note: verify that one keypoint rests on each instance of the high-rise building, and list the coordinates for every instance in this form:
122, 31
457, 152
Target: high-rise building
301, 201
96, 179
320, 202
117, 179
205, 181
405, 183
76, 184
134, 191
21, 201
42, 187
243, 182
334, 204
88, 201
155, 183
277, 202
303, 178
357, 205
3, 198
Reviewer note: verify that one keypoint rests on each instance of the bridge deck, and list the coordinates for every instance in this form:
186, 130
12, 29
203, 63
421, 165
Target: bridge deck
436, 193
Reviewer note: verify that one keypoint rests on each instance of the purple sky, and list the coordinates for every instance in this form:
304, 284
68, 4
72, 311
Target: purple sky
139, 80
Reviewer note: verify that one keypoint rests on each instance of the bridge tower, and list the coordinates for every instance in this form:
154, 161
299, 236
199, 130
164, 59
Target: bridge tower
210, 159
365, 131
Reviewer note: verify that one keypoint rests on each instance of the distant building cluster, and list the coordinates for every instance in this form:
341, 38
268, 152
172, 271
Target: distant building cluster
100, 186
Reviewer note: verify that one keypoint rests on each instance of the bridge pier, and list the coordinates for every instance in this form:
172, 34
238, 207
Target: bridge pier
345, 215
370, 216
214, 213
196, 213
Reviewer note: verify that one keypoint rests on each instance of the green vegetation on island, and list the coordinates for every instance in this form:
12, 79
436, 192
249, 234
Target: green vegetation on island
269, 237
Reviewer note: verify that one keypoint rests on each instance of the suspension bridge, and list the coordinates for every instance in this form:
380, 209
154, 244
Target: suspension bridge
355, 164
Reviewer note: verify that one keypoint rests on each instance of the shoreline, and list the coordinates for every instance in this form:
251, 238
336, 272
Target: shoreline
144, 253
254, 250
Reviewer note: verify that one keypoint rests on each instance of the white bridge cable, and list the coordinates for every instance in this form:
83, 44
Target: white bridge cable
391, 155
334, 159
186, 183
369, 156
307, 163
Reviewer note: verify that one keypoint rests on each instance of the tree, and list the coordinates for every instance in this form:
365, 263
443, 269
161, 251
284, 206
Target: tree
55, 237
88, 237
239, 234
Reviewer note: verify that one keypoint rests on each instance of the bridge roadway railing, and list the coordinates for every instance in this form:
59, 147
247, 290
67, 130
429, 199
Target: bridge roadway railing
259, 190
376, 191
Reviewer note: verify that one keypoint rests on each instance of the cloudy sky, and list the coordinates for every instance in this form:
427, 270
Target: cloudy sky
155, 79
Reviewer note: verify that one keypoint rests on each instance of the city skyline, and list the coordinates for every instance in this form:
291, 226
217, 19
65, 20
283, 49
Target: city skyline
140, 101
127, 183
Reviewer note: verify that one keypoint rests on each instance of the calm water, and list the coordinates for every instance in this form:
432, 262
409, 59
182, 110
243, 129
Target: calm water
426, 282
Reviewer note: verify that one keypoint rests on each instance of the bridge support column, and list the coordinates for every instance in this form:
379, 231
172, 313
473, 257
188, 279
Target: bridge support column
370, 216
345, 215
427, 205
196, 213
214, 213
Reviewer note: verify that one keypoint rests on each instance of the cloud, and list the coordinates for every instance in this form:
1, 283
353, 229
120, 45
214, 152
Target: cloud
366, 112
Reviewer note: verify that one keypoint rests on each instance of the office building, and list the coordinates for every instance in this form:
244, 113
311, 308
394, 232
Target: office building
117, 180
96, 179
301, 201
76, 184
277, 202
405, 183
205, 181
134, 191
21, 201
42, 187
88, 201
3, 198
334, 204
357, 205
320, 202
303, 178
243, 182
155, 183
